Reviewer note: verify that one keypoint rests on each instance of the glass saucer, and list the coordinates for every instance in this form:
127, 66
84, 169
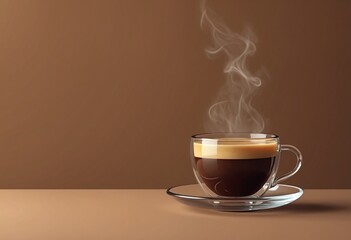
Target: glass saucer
277, 196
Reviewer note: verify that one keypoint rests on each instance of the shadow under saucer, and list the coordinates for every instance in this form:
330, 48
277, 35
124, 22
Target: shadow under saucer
303, 207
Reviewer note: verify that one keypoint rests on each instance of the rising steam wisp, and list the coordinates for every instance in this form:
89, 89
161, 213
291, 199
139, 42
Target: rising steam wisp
233, 111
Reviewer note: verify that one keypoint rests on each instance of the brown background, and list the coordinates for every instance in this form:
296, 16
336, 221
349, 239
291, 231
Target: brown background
105, 94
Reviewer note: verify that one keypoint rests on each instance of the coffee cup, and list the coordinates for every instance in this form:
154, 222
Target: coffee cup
239, 164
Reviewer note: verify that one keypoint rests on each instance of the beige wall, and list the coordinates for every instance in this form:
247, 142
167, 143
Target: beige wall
105, 94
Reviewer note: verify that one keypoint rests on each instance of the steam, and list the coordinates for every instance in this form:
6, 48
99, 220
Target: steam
233, 111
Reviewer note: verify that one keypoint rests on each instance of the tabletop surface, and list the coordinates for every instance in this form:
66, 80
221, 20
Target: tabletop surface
151, 214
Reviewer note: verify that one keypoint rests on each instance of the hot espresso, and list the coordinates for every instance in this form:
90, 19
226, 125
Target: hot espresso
234, 168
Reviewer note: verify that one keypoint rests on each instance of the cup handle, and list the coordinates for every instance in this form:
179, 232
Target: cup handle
298, 155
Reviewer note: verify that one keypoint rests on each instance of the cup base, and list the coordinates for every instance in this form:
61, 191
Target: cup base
259, 193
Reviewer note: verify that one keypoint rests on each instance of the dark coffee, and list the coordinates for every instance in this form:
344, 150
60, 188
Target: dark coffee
237, 177
234, 168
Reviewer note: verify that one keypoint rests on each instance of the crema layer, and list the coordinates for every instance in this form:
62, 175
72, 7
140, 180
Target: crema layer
235, 150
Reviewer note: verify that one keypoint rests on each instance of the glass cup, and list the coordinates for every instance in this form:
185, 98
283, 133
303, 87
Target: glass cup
239, 164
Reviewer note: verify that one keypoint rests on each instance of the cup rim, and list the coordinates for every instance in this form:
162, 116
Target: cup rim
231, 136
